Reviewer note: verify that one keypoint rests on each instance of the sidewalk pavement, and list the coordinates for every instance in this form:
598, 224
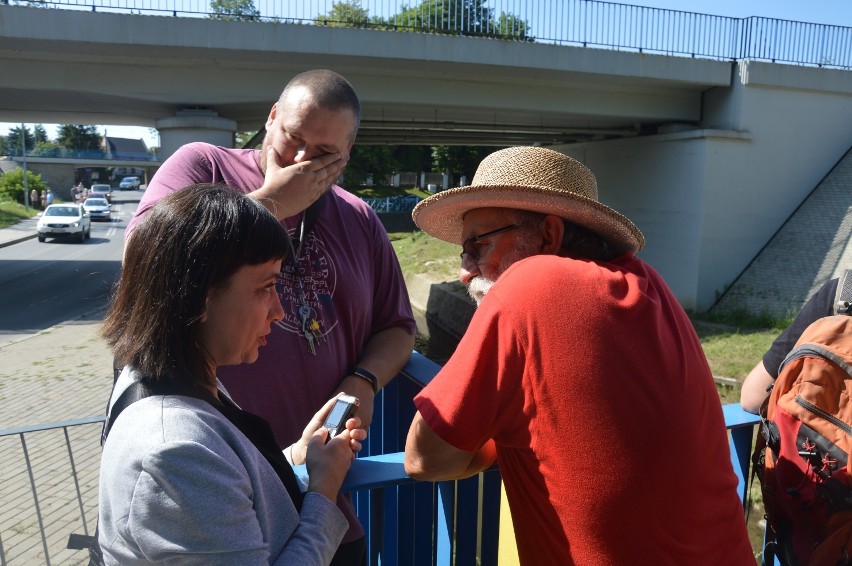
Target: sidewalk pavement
61, 373
23, 230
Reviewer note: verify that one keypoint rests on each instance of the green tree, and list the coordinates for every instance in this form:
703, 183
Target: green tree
509, 25
348, 13
13, 139
79, 137
40, 133
234, 10
460, 17
47, 148
12, 184
459, 159
367, 161
414, 158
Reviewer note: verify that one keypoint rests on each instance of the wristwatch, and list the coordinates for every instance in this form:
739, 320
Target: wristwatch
369, 376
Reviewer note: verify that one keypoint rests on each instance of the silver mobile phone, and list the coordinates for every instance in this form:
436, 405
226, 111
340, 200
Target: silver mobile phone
343, 409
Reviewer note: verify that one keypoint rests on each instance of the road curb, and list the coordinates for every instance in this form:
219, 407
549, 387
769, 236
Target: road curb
17, 240
94, 315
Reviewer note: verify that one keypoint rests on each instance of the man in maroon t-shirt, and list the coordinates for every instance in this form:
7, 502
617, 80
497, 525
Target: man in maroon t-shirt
348, 324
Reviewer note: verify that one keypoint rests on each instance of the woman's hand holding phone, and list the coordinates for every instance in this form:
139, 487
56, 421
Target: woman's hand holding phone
329, 457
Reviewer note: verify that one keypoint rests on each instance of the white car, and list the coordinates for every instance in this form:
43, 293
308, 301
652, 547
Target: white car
98, 208
64, 220
129, 183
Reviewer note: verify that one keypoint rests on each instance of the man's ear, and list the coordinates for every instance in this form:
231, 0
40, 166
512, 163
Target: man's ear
551, 234
272, 113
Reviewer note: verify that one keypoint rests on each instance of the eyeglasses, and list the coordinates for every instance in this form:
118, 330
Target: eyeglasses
469, 250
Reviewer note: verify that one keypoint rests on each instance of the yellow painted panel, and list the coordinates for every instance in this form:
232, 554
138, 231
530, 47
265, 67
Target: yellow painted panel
507, 550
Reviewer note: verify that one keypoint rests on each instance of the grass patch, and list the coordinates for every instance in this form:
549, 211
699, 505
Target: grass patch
420, 253
731, 351
382, 192
743, 319
13, 212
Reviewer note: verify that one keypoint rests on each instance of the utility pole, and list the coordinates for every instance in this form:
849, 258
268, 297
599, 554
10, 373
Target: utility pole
24, 161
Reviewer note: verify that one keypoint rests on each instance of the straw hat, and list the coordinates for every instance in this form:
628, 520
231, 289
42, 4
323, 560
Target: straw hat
529, 178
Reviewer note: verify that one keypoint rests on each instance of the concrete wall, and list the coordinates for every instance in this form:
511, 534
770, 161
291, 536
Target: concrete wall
800, 121
709, 199
59, 177
813, 246
659, 182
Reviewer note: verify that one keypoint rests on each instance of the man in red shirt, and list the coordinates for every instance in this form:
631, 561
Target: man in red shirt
580, 374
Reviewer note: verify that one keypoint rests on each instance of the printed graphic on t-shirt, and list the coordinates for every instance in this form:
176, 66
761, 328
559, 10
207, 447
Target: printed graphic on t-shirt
306, 294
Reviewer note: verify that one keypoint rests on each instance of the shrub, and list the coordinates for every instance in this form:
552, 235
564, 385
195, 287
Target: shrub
12, 184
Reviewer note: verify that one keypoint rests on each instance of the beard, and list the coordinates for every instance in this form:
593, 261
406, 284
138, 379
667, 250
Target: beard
480, 285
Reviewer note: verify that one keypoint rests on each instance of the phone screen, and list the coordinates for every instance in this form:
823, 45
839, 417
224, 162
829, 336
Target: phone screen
337, 412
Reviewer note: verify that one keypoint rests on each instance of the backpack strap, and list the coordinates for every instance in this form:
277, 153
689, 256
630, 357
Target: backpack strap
843, 296
137, 391
255, 428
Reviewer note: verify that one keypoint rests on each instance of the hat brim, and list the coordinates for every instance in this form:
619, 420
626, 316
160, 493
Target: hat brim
442, 215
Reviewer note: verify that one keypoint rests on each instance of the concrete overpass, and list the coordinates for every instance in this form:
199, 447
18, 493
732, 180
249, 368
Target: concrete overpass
709, 158
64, 66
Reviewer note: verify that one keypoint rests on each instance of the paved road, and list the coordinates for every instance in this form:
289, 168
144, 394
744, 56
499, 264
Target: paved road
44, 284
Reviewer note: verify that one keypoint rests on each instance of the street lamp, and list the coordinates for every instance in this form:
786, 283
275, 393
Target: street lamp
24, 163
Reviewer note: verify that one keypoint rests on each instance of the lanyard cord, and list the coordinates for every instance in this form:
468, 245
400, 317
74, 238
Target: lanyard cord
310, 328
296, 253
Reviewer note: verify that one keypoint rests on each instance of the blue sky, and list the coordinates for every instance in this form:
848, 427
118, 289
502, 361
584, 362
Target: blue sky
834, 12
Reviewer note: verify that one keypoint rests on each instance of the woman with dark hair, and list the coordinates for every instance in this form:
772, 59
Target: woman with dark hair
186, 476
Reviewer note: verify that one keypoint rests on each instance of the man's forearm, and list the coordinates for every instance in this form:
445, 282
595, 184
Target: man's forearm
429, 458
386, 353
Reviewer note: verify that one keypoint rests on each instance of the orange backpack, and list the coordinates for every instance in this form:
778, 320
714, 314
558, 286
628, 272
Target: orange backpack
803, 460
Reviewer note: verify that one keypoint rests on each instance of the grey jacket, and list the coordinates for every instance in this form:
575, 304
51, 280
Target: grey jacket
180, 484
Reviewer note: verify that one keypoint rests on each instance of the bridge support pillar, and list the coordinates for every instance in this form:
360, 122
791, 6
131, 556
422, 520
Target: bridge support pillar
192, 125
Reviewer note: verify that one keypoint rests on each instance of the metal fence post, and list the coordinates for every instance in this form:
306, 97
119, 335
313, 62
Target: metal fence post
35, 499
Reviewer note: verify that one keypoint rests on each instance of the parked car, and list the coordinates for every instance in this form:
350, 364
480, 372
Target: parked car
101, 189
98, 208
130, 183
64, 220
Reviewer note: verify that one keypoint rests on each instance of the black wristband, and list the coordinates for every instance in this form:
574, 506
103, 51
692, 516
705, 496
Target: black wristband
369, 376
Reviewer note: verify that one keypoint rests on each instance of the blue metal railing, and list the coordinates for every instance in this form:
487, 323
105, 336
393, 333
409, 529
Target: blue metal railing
406, 522
589, 23
397, 203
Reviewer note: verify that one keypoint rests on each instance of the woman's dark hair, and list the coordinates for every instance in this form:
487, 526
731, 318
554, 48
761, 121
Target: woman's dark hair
190, 242
578, 242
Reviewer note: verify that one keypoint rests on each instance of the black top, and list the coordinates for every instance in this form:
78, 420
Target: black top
819, 305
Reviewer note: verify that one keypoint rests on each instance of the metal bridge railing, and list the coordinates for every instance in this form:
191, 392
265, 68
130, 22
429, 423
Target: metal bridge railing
406, 522
41, 484
588, 23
